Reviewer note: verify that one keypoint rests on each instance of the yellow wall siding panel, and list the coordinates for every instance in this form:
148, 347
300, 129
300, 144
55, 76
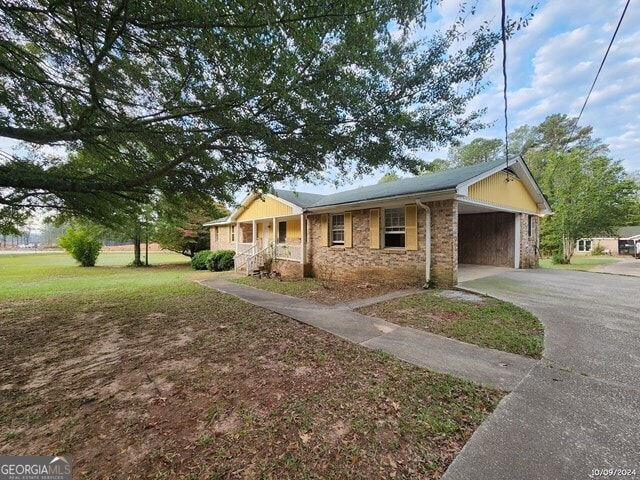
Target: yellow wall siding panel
374, 228
348, 233
265, 208
293, 229
411, 227
496, 191
324, 229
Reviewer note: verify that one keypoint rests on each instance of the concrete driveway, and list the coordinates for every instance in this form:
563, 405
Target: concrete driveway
578, 411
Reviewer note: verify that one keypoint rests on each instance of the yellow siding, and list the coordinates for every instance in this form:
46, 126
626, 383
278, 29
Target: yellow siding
496, 191
293, 229
348, 237
265, 208
374, 228
411, 227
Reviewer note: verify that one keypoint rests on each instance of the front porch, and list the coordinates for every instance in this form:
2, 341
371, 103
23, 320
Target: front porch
275, 239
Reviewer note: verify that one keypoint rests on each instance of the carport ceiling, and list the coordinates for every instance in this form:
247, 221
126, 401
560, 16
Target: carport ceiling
467, 208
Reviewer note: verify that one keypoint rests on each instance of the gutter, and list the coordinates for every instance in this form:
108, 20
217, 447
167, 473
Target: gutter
427, 247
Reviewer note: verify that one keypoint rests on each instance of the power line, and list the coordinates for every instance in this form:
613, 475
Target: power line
504, 78
603, 60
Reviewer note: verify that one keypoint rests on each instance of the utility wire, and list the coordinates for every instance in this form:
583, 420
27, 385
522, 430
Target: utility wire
504, 78
603, 60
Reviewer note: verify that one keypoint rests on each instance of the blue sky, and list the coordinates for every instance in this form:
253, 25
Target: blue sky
551, 65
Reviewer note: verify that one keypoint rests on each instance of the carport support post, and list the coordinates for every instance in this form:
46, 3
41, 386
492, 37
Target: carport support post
427, 245
516, 253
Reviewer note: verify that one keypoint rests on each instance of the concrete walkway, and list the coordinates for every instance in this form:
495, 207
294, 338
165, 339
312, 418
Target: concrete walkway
578, 410
482, 365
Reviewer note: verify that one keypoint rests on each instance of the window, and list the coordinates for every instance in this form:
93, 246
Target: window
282, 232
216, 235
337, 229
232, 233
584, 245
394, 233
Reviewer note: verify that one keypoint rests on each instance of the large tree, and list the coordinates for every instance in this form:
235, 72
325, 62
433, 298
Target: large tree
590, 195
202, 97
478, 150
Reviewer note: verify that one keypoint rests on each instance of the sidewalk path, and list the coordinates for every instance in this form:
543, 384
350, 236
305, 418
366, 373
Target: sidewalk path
482, 365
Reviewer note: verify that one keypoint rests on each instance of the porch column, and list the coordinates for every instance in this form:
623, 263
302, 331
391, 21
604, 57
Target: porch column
254, 233
274, 227
237, 235
303, 238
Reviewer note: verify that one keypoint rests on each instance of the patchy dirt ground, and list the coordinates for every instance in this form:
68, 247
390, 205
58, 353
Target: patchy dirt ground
180, 381
328, 292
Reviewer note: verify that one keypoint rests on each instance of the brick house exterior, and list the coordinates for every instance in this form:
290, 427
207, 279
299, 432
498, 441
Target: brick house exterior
410, 231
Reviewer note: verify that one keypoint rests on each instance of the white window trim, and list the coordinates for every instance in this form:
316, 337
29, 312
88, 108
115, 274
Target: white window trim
334, 229
386, 232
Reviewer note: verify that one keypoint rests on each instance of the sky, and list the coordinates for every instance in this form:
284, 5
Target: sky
551, 65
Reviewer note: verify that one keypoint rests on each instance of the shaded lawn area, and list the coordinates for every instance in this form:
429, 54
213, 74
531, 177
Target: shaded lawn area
327, 292
146, 373
491, 323
581, 262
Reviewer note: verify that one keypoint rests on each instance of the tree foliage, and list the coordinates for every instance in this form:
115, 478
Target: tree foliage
389, 177
204, 96
179, 225
479, 150
590, 195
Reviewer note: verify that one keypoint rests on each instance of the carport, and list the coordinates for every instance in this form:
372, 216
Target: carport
488, 236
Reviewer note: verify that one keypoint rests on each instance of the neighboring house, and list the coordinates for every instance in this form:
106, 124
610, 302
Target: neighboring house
415, 229
623, 243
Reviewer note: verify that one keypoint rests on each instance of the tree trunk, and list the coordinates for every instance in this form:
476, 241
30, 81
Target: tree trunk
568, 246
137, 261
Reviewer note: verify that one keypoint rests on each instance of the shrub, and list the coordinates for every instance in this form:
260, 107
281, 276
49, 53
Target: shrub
597, 250
82, 243
221, 260
199, 260
558, 258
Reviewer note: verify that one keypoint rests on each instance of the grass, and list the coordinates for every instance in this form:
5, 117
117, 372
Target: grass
491, 323
580, 262
145, 372
328, 292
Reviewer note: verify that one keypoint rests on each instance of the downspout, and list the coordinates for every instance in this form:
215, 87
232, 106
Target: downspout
427, 247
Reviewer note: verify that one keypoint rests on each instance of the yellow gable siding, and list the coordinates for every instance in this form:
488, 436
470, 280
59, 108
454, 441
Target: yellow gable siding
266, 208
496, 191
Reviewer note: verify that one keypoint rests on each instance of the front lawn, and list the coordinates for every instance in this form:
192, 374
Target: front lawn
490, 323
143, 372
580, 262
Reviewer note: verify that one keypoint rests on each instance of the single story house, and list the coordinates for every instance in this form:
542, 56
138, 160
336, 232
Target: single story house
412, 230
622, 243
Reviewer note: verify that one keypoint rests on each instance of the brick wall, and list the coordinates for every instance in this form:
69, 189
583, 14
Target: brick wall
444, 242
223, 242
529, 245
393, 265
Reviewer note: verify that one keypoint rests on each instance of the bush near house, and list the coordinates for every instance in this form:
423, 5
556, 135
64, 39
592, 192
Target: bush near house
220, 260
217, 261
199, 260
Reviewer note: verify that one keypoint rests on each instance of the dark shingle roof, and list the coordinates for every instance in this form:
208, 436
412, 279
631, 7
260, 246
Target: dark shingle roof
626, 232
217, 220
302, 199
434, 182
